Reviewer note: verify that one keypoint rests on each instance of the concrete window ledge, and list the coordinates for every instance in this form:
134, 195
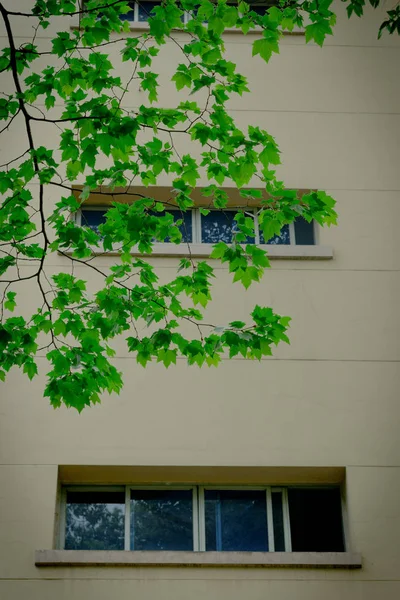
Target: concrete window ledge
99, 558
275, 252
278, 251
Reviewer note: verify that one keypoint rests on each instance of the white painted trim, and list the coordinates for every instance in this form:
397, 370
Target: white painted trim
286, 521
270, 521
202, 519
292, 234
115, 558
195, 520
127, 539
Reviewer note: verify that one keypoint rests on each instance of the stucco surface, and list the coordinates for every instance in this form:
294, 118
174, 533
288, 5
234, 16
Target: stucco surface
330, 399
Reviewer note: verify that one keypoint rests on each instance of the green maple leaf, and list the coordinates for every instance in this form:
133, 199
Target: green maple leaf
265, 47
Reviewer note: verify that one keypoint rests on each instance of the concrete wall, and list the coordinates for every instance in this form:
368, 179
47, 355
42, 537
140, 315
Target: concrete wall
330, 399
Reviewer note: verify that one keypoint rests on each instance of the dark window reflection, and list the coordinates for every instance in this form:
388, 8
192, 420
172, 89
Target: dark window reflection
95, 218
95, 521
161, 520
220, 226
236, 520
304, 232
146, 10
316, 520
282, 238
260, 10
130, 16
217, 226
186, 228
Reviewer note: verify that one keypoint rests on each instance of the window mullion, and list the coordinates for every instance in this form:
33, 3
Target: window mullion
136, 12
201, 519
127, 517
286, 521
292, 234
196, 223
270, 521
256, 227
195, 516
62, 521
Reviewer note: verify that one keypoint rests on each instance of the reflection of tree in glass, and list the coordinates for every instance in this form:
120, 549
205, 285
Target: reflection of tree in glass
282, 238
94, 525
236, 520
217, 226
161, 520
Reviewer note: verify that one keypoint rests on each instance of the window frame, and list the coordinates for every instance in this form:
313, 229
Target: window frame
80, 488
136, 25
269, 490
198, 510
197, 229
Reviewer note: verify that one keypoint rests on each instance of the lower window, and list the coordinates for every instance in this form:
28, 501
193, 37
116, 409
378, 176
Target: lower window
268, 519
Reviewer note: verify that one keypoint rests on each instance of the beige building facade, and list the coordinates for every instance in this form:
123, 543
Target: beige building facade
323, 411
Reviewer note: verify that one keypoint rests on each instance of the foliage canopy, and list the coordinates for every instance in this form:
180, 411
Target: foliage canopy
94, 74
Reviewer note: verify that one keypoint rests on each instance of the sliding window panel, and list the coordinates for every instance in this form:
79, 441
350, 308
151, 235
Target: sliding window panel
236, 520
316, 520
304, 232
93, 218
162, 519
94, 520
221, 226
145, 10
282, 239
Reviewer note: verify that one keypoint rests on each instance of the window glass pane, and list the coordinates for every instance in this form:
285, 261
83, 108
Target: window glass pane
304, 232
95, 521
283, 238
161, 520
277, 512
316, 520
259, 9
145, 9
93, 218
236, 520
219, 226
130, 16
186, 228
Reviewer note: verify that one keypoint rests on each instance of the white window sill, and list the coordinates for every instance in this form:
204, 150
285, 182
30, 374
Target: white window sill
98, 558
275, 252
143, 26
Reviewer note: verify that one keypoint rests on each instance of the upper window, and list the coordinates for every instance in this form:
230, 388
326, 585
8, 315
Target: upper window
202, 519
142, 10
216, 226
